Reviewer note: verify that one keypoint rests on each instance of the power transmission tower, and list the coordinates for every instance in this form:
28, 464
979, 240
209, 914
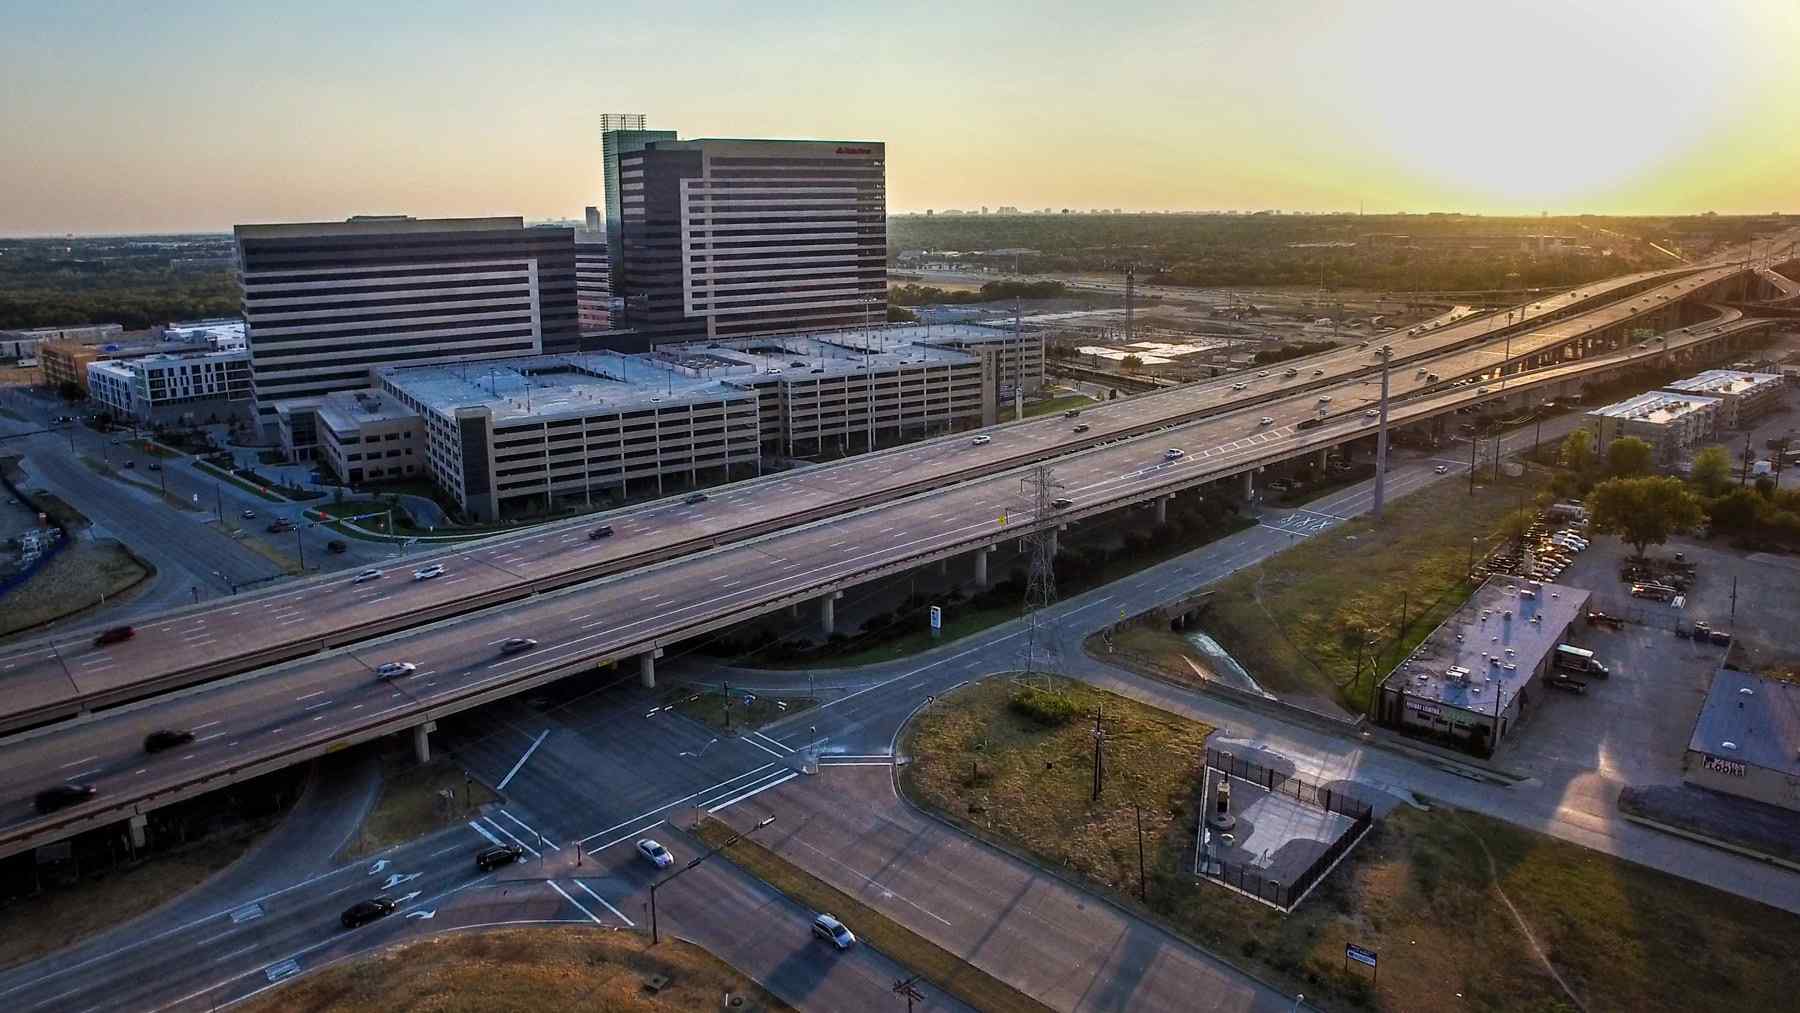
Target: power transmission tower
1040, 486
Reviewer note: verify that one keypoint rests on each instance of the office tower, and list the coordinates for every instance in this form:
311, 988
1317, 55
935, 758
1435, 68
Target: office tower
726, 237
327, 302
591, 217
620, 134
593, 280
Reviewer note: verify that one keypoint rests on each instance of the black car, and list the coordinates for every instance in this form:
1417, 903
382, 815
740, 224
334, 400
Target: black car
488, 859
603, 531
277, 527
1082, 428
63, 795
695, 497
116, 635
338, 545
167, 738
129, 464
365, 911
513, 645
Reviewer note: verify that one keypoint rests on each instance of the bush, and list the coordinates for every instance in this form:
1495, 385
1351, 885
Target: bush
1047, 707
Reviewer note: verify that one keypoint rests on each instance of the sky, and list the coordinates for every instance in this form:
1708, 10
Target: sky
194, 116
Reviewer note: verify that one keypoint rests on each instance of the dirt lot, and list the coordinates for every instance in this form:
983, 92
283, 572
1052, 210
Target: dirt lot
529, 969
410, 806
74, 581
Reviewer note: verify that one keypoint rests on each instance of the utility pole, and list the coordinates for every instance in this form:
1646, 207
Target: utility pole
1040, 584
905, 988
1381, 434
655, 936
1143, 891
1474, 442
1099, 755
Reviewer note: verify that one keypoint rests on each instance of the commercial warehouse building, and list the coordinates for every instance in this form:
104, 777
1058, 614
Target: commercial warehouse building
1747, 739
23, 344
327, 302
1742, 396
1480, 669
1670, 423
191, 389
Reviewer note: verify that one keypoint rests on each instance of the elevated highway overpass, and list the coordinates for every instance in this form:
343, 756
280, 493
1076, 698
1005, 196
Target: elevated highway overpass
266, 719
67, 674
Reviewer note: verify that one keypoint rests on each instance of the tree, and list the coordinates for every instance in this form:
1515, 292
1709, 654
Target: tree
1131, 363
1629, 456
69, 390
1578, 451
1711, 473
1737, 510
1644, 511
1517, 523
900, 315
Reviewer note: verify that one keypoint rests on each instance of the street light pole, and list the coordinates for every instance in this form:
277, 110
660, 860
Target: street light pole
655, 934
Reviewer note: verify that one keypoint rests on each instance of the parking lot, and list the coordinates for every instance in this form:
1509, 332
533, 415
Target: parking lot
1633, 727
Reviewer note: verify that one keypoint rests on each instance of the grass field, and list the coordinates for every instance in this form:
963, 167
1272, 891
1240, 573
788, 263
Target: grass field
537, 968
1058, 404
79, 578
1419, 890
941, 968
1295, 621
409, 805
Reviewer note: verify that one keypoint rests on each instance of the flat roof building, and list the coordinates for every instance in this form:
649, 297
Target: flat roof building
730, 237
593, 281
191, 388
326, 303
1746, 740
1670, 423
222, 334
23, 343
1478, 671
1742, 396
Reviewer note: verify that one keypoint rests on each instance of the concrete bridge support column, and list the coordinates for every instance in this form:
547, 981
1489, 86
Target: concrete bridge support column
136, 826
1324, 457
828, 612
1162, 510
1053, 538
981, 567
647, 668
944, 567
1249, 486
422, 740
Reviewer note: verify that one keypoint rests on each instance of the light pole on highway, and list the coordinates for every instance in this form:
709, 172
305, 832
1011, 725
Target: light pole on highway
655, 936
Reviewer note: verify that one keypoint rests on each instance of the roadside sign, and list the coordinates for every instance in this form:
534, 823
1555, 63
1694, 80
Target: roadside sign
937, 618
1361, 956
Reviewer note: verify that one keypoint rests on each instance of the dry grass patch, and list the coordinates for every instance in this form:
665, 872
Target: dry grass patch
561, 967
981, 756
941, 968
410, 804
81, 577
1418, 890
708, 708
1296, 622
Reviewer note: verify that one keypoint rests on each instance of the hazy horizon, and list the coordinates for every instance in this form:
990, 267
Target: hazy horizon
198, 116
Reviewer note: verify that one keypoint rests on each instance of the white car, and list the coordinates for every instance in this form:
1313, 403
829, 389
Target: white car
395, 669
1442, 469
1371, 413
366, 576
831, 930
1265, 421
981, 441
1240, 386
655, 853
1174, 454
1481, 390
1324, 398
428, 572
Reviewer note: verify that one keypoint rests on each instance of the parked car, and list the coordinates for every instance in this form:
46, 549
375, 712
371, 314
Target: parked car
831, 930
1174, 454
366, 576
129, 464
488, 859
115, 635
431, 572
279, 526
603, 531
693, 498
64, 795
365, 911
513, 645
167, 738
154, 466
981, 441
655, 853
1567, 684
394, 669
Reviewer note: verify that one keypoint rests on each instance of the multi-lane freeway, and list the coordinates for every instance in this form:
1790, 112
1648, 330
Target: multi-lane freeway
66, 675
279, 715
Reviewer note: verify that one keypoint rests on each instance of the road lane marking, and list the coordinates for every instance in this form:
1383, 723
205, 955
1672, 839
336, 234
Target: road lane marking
670, 805
541, 838
535, 853
309, 696
515, 768
616, 912
753, 791
478, 828
79, 762
551, 883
